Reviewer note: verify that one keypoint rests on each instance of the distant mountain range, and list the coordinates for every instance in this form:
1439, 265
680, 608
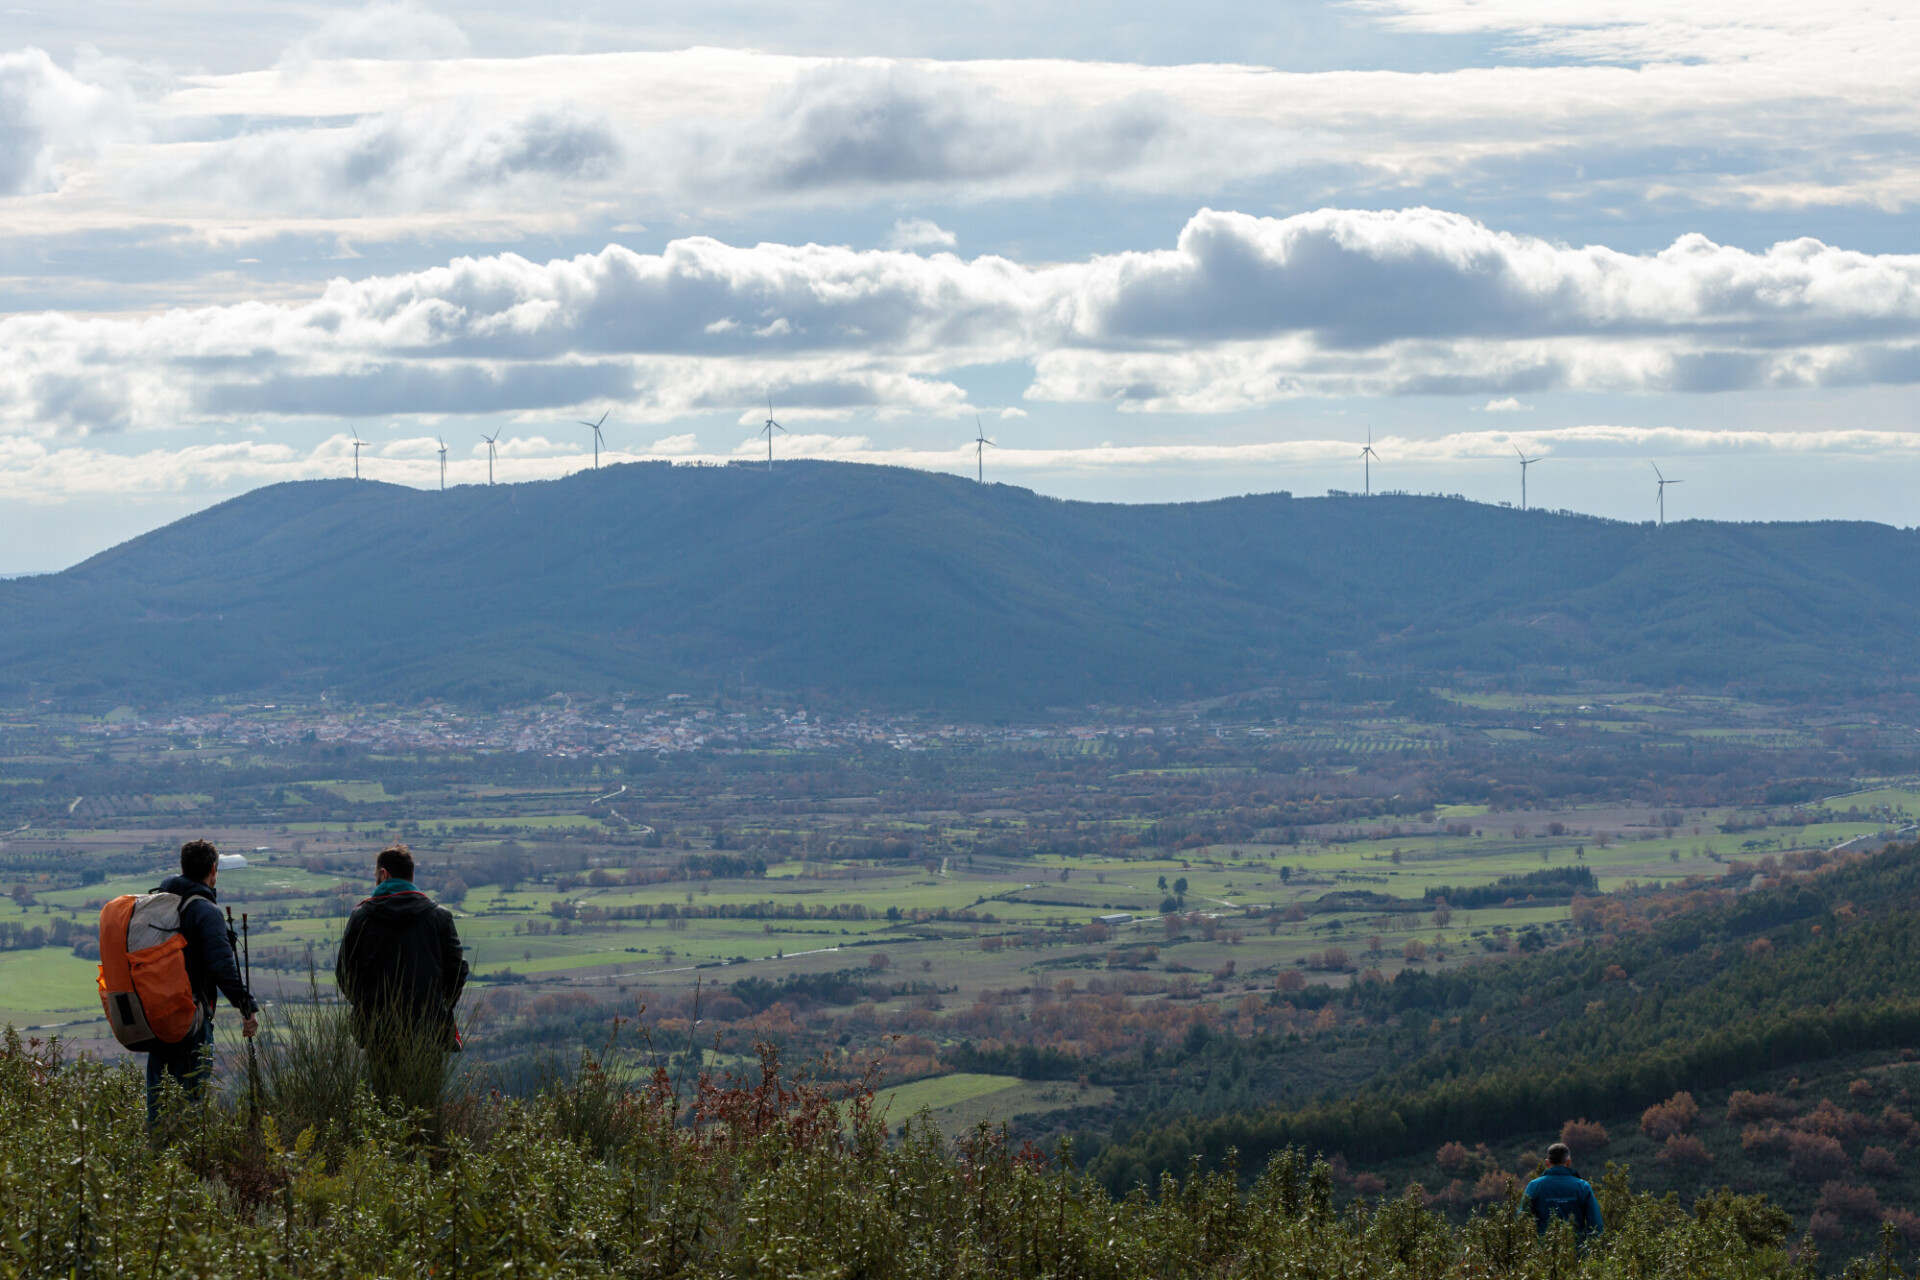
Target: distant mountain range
880, 587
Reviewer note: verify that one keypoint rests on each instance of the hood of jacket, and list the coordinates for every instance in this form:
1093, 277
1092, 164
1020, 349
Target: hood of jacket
187, 888
395, 908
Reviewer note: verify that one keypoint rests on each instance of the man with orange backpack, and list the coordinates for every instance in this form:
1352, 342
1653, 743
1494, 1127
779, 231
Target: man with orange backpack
165, 957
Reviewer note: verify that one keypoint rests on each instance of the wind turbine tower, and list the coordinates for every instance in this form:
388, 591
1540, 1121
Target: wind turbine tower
598, 439
1525, 462
1367, 458
980, 443
490, 451
357, 442
768, 430
443, 464
1661, 498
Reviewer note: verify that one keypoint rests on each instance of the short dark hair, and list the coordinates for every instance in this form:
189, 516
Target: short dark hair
396, 861
198, 858
1558, 1153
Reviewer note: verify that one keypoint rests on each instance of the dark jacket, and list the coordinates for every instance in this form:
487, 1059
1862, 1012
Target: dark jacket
1562, 1193
400, 957
211, 967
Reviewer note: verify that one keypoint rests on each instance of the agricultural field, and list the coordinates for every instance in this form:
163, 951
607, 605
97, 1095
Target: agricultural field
948, 898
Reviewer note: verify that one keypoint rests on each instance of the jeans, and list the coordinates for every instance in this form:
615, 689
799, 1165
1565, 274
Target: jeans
188, 1062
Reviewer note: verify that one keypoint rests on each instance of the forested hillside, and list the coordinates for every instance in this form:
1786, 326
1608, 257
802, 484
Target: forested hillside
1710, 992
890, 588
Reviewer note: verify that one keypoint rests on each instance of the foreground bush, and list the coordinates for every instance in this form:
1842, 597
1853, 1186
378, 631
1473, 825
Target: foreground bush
768, 1178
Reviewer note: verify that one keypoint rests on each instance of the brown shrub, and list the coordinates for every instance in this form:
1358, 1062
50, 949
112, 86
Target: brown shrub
1878, 1162
1368, 1184
1860, 1089
1899, 1124
1825, 1226
1452, 1158
1491, 1186
1584, 1135
1676, 1115
1767, 1139
1814, 1157
1684, 1150
1744, 1106
1905, 1221
1451, 1197
1290, 980
1850, 1200
1834, 1122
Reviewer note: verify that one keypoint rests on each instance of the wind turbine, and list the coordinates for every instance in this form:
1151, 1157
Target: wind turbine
1662, 498
980, 443
1367, 459
769, 429
598, 439
443, 464
490, 439
1525, 462
357, 442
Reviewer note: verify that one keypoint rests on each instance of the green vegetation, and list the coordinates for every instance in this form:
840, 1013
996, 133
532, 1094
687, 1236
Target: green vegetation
1701, 992
879, 587
764, 1177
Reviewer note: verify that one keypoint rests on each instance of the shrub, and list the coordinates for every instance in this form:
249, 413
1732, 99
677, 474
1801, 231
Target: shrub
1878, 1162
1904, 1221
1744, 1106
1767, 1139
1677, 1114
1850, 1201
1368, 1184
1814, 1157
1825, 1226
1860, 1089
1684, 1150
1492, 1186
763, 1175
1584, 1135
1452, 1158
1835, 1122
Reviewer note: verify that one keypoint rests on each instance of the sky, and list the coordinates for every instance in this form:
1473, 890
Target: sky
1162, 254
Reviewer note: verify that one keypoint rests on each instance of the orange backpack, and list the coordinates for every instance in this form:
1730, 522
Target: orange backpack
143, 972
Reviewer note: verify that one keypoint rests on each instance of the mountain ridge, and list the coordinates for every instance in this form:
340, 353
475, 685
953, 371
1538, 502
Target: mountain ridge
888, 587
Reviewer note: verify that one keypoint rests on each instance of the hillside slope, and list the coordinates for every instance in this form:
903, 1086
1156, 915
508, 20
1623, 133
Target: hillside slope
887, 587
1772, 991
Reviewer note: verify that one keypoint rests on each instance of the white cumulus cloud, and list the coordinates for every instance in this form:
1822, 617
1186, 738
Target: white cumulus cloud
1242, 311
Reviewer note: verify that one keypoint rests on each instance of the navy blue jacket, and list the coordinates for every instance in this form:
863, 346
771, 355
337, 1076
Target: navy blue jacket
211, 967
1562, 1193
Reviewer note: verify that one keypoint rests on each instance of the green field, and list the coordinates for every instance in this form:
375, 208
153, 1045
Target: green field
958, 1102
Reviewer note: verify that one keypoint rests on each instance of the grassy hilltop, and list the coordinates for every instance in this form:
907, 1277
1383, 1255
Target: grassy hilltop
890, 588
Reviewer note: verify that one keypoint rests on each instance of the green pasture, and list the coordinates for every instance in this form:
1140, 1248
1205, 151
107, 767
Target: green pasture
49, 980
939, 1092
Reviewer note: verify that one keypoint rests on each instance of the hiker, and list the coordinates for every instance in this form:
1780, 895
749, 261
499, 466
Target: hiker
400, 968
1562, 1193
211, 970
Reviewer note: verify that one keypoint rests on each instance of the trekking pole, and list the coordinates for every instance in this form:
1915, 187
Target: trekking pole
253, 1056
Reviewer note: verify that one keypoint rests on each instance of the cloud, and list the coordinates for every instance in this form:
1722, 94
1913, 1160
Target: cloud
1242, 311
1505, 404
674, 446
920, 233
385, 31
377, 122
51, 119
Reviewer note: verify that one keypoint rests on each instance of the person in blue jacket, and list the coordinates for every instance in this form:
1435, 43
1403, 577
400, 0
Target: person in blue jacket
1562, 1193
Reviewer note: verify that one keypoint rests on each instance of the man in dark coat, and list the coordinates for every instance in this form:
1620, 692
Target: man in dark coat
211, 970
1562, 1193
400, 968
